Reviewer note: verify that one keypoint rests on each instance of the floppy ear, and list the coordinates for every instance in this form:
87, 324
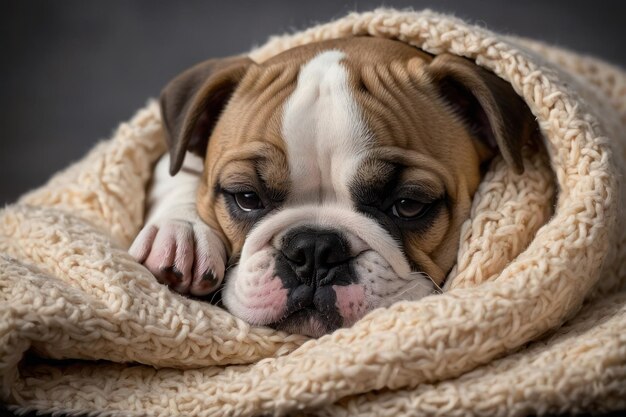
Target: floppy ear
192, 102
488, 105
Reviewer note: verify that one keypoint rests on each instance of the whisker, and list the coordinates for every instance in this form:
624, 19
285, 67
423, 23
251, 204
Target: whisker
413, 286
215, 293
230, 266
425, 275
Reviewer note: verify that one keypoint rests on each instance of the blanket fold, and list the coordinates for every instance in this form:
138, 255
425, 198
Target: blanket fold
532, 318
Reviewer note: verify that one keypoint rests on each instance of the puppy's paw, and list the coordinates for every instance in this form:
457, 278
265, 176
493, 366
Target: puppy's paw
185, 255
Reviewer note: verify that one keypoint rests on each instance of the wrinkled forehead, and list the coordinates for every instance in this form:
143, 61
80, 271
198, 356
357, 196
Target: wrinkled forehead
320, 110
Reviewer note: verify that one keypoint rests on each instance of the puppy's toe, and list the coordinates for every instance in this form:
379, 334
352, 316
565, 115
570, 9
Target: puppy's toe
210, 261
171, 256
170, 276
141, 247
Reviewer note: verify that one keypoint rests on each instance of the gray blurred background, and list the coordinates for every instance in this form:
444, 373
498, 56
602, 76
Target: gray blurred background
70, 71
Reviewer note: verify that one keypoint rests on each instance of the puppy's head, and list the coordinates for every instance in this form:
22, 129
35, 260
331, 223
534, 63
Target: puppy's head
339, 173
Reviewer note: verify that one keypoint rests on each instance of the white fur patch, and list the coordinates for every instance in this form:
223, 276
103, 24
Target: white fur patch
324, 132
175, 196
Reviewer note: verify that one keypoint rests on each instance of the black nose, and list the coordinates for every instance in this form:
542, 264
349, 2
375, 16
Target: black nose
316, 257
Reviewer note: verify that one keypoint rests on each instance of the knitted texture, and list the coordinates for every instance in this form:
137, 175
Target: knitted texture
532, 319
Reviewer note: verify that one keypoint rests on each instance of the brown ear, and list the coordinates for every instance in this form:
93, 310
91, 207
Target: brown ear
487, 104
192, 102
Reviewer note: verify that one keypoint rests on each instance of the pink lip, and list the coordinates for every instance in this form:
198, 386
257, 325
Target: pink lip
350, 302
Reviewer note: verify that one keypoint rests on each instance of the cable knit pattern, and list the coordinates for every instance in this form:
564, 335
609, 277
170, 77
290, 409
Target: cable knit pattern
532, 319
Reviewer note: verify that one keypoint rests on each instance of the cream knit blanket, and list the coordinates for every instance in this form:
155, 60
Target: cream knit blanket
533, 320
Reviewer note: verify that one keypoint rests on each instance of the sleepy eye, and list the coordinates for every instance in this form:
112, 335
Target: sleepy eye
408, 209
248, 201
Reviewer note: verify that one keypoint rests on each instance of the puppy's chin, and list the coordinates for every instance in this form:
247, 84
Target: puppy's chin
307, 322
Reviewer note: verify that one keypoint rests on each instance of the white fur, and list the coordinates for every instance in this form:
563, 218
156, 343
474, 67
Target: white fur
324, 132
174, 195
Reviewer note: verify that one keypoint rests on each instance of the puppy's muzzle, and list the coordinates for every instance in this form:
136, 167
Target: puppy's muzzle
312, 262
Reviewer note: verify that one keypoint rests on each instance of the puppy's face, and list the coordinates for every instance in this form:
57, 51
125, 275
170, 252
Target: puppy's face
339, 173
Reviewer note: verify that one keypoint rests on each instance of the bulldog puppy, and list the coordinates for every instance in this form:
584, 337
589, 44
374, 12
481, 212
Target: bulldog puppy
327, 181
